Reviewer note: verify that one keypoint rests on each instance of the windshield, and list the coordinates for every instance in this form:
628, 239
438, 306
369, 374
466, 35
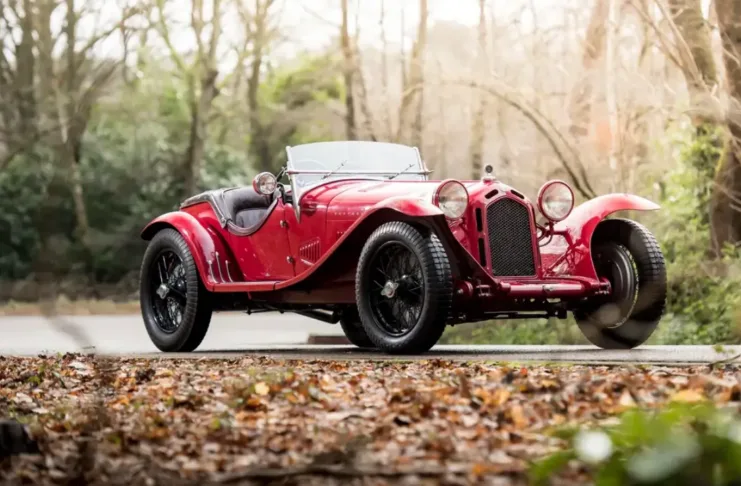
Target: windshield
357, 159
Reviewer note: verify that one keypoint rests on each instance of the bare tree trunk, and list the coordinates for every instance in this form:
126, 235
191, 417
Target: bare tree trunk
441, 167
386, 114
364, 105
25, 65
348, 71
45, 48
206, 74
72, 127
687, 15
580, 107
611, 93
725, 207
478, 127
259, 146
357, 66
701, 75
410, 113
200, 113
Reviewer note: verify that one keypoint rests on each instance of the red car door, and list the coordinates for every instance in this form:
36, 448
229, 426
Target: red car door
264, 255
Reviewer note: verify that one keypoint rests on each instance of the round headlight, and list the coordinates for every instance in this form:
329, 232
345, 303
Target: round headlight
452, 198
264, 183
556, 200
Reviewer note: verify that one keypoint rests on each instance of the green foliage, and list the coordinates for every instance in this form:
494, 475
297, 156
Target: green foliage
24, 186
683, 444
131, 173
296, 108
703, 294
525, 331
131, 164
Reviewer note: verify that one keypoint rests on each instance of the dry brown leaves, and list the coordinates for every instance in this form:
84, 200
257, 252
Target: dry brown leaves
257, 419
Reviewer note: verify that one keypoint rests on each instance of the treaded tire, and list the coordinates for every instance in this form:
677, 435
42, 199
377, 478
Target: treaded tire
353, 329
436, 294
650, 301
197, 315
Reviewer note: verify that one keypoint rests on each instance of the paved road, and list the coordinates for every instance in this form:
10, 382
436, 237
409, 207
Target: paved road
126, 334
285, 336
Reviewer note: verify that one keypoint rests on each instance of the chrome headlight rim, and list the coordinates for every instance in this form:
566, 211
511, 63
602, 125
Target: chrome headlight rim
265, 183
543, 194
443, 200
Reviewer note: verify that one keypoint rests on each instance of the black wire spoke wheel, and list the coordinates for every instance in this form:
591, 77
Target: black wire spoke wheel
353, 328
170, 291
397, 297
175, 305
615, 263
629, 257
403, 288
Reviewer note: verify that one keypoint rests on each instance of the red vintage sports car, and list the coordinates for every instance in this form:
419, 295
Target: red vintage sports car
360, 236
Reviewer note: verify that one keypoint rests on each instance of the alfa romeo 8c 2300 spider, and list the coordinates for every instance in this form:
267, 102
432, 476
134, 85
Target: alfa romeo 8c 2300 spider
356, 233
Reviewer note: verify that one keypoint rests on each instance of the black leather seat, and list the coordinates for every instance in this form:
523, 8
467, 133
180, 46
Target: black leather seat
245, 207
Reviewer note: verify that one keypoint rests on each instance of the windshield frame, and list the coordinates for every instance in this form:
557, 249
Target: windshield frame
298, 192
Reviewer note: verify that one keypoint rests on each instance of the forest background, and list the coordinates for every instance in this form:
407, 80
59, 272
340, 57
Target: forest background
112, 112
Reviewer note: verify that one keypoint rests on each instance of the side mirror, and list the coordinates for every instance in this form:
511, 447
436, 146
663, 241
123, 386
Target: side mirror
265, 183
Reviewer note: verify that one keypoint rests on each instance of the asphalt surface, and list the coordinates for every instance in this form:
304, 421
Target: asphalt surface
286, 335
126, 334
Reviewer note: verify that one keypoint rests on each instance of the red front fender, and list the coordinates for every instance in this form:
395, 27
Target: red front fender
572, 255
204, 244
346, 250
408, 206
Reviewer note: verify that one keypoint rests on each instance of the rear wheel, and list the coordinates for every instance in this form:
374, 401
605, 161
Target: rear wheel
404, 288
627, 254
175, 305
353, 329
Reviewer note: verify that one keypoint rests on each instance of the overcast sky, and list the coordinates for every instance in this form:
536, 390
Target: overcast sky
314, 24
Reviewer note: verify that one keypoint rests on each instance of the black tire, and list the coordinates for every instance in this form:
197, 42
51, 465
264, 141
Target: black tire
179, 321
353, 329
627, 318
411, 320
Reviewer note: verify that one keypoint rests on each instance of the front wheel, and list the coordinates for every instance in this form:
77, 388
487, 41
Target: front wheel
628, 256
175, 305
404, 288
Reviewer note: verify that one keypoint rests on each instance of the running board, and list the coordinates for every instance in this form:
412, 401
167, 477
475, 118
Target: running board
330, 318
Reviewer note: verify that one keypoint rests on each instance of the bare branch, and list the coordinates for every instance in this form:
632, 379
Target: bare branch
165, 33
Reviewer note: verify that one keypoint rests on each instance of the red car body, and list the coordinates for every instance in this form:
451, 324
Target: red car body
306, 260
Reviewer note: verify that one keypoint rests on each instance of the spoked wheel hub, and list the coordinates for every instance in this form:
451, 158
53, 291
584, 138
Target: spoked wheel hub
614, 263
397, 288
169, 289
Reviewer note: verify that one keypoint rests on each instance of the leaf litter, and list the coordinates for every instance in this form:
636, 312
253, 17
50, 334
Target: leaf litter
257, 419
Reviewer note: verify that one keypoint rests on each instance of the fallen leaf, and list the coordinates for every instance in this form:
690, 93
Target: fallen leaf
626, 400
517, 414
22, 398
688, 396
262, 388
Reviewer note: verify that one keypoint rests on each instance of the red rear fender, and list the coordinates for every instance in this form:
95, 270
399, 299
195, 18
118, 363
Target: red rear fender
205, 245
562, 257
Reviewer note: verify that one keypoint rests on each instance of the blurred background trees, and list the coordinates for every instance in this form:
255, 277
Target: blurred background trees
113, 112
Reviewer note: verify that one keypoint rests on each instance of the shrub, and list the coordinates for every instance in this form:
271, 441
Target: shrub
683, 444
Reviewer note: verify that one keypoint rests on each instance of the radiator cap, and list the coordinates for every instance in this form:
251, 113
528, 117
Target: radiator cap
489, 173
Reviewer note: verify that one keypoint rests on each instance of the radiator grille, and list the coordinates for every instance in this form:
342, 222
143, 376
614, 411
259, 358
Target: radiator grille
510, 239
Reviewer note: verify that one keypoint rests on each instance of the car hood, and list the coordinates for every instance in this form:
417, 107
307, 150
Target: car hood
369, 193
